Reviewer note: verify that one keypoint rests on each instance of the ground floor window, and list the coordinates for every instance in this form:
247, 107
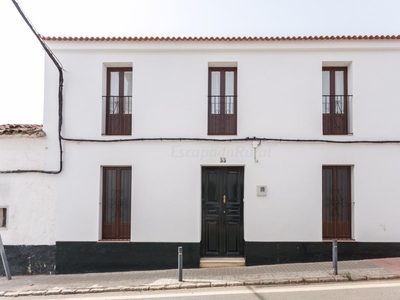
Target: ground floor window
116, 217
336, 202
3, 217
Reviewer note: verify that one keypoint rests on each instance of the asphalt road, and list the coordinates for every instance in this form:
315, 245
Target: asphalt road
365, 290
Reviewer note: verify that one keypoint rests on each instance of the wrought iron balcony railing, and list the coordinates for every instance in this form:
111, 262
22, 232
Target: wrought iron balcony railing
118, 115
336, 111
222, 114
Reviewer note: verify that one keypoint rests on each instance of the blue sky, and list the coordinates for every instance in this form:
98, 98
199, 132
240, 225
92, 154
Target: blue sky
22, 66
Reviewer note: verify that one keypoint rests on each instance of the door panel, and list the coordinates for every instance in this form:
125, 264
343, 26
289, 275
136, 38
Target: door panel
222, 200
212, 232
109, 203
233, 237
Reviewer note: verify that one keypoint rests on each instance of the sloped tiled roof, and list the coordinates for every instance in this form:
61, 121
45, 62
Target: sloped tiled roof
22, 129
221, 39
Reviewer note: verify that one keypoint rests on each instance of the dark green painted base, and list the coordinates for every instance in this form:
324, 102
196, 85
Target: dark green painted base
82, 257
27, 260
265, 253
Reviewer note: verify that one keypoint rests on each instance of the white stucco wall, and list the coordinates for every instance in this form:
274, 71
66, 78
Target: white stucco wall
30, 198
279, 96
278, 86
166, 190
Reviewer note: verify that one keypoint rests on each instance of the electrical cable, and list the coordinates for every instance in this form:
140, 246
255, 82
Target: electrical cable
60, 95
234, 140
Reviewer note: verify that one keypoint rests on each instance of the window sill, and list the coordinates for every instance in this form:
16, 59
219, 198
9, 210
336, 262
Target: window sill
339, 241
105, 134
113, 241
222, 134
338, 134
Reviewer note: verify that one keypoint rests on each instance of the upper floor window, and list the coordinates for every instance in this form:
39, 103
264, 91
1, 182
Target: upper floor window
222, 101
336, 102
119, 101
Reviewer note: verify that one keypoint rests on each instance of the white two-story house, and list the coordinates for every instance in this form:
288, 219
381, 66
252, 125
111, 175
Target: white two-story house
264, 149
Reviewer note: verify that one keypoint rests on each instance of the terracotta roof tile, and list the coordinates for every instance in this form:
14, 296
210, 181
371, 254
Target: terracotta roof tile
221, 39
22, 129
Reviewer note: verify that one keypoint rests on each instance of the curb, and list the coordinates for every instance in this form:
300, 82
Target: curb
191, 285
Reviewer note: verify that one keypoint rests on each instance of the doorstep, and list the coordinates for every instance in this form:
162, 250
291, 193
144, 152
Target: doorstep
222, 262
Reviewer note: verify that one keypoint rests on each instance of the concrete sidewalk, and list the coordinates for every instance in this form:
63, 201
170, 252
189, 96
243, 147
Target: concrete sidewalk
39, 285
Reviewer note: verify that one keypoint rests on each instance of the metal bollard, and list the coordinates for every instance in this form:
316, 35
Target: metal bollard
334, 256
180, 263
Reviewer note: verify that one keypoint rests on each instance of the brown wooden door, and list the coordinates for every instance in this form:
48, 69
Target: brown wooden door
336, 200
222, 212
117, 203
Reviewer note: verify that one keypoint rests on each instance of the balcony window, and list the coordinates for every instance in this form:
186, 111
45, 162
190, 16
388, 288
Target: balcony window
119, 101
222, 101
336, 102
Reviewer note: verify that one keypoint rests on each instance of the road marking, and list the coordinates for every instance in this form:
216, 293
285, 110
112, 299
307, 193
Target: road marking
243, 290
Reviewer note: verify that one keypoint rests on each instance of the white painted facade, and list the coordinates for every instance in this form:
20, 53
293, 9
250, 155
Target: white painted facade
30, 199
279, 96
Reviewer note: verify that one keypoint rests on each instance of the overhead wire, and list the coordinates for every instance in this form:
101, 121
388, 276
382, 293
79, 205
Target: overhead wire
255, 138
59, 66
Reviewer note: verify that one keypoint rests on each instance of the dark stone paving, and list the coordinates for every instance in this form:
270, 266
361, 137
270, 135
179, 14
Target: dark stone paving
168, 279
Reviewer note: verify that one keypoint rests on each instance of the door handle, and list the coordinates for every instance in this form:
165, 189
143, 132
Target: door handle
224, 198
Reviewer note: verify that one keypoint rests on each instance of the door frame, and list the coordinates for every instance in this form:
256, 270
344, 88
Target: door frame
225, 166
103, 205
351, 198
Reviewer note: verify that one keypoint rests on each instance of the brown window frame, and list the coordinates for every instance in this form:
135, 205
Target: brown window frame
120, 123
335, 123
336, 203
3, 210
119, 229
222, 123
